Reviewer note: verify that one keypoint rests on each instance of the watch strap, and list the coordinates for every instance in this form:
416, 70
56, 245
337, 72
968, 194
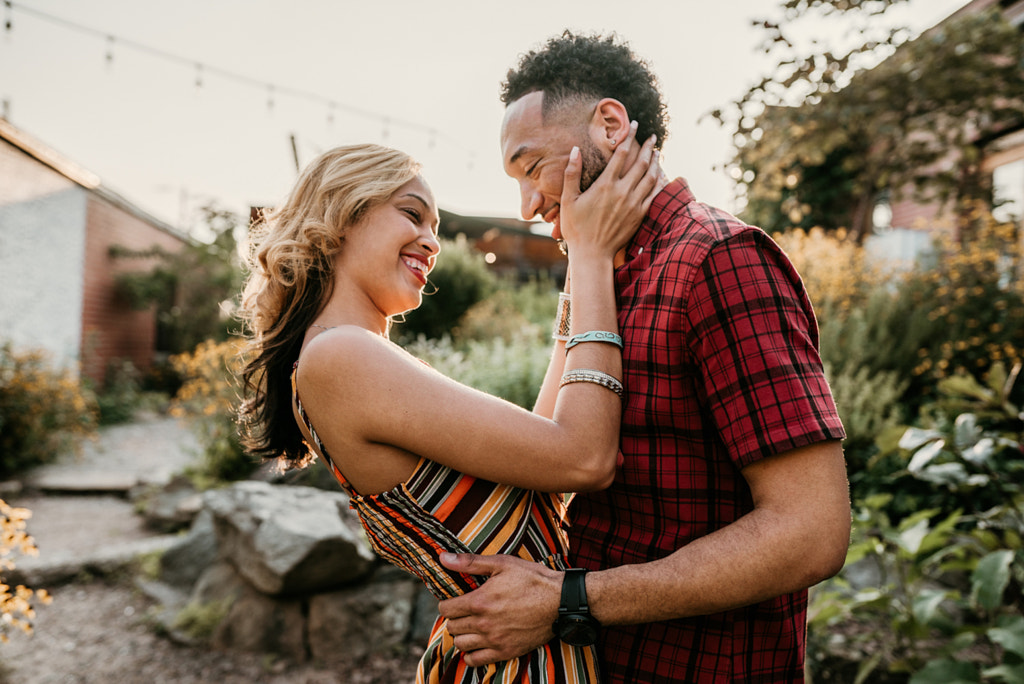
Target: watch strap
574, 592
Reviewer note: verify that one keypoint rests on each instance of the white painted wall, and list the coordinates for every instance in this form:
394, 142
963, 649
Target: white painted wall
42, 257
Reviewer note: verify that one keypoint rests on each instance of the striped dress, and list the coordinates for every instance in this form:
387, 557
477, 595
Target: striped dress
438, 509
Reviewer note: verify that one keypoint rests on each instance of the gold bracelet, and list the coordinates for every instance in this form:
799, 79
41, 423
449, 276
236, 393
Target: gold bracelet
564, 318
591, 375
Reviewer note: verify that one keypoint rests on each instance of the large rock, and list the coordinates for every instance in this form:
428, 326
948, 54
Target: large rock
170, 507
354, 623
286, 540
183, 563
257, 623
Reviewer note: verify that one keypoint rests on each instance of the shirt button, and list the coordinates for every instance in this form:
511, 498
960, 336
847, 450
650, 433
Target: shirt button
641, 251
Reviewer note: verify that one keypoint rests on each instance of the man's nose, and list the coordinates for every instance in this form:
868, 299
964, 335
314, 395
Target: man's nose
531, 201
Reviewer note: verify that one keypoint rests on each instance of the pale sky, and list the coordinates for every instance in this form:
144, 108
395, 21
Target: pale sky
397, 69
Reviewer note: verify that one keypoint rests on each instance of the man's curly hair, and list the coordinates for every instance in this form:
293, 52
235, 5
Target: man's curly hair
570, 67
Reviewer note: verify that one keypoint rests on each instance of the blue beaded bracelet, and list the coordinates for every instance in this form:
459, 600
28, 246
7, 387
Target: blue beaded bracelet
594, 336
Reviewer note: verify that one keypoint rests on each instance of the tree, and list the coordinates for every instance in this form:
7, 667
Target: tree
820, 138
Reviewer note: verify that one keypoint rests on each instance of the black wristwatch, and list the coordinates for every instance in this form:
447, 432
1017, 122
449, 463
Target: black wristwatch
575, 625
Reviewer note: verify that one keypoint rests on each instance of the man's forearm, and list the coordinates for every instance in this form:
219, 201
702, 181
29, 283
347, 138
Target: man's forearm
795, 537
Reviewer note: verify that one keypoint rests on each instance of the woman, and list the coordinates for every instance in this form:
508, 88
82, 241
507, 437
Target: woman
420, 454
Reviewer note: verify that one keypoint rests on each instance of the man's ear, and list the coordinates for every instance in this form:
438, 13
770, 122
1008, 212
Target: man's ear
609, 125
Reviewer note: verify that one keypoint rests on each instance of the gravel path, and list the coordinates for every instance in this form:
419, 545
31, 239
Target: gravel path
98, 630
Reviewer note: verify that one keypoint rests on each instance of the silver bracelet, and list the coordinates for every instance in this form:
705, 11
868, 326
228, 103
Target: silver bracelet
564, 317
591, 375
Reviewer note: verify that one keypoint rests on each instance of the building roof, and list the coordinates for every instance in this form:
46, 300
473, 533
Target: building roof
78, 175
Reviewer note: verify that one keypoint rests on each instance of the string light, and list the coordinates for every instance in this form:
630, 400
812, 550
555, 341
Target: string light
201, 69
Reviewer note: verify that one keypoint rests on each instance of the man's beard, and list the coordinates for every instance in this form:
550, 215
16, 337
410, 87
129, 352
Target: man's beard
593, 163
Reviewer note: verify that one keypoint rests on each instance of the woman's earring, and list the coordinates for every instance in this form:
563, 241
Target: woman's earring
427, 294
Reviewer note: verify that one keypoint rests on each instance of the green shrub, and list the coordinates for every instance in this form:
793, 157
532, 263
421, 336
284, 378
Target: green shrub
932, 588
512, 370
966, 309
209, 396
868, 404
42, 410
511, 312
121, 393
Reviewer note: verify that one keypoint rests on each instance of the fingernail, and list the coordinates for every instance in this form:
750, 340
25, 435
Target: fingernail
634, 125
447, 557
573, 153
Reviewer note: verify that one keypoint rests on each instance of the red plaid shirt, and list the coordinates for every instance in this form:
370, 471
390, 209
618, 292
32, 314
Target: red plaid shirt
721, 369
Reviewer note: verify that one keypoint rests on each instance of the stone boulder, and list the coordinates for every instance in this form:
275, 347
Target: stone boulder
169, 507
289, 540
354, 623
183, 563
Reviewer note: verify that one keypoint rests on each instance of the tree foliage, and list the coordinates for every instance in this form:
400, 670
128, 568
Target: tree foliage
822, 136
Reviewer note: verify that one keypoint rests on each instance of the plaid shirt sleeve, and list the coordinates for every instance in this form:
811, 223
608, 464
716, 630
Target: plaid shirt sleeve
753, 336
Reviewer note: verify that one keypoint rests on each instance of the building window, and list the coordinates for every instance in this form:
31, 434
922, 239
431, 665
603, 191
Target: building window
1008, 190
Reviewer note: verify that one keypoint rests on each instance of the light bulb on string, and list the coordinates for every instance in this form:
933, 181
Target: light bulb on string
270, 97
110, 50
199, 75
8, 22
330, 115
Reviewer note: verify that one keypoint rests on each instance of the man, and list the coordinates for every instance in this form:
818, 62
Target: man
732, 496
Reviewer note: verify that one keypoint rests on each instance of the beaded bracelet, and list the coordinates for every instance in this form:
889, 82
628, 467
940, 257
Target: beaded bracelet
594, 336
591, 375
564, 318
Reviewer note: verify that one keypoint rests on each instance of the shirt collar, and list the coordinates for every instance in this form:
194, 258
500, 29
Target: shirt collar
667, 203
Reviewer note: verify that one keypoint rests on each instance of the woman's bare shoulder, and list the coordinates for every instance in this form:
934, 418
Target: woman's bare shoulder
347, 351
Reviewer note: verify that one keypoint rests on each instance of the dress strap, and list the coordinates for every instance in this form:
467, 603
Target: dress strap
317, 447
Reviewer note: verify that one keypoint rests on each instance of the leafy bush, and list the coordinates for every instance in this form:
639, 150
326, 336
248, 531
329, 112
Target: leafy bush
836, 271
512, 370
512, 311
968, 306
42, 410
16, 609
934, 593
209, 396
869, 404
121, 393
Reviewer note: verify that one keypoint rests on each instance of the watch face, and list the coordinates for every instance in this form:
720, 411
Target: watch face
577, 630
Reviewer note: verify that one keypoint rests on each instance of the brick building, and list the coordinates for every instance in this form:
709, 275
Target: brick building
58, 224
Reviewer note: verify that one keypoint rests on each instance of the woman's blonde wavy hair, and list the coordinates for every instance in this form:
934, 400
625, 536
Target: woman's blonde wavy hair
291, 277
